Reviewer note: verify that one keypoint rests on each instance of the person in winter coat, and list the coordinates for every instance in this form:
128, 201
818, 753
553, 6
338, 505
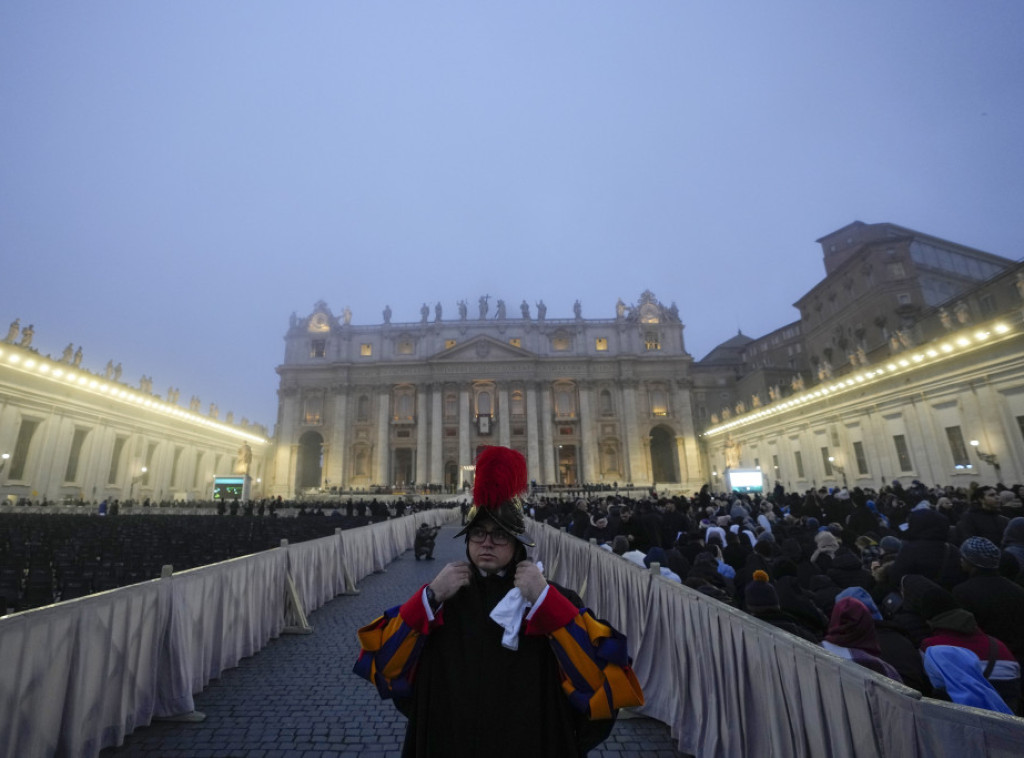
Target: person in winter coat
983, 519
925, 551
996, 602
851, 635
953, 625
895, 646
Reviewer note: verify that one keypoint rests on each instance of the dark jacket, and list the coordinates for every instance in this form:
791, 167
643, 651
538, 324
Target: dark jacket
998, 605
926, 552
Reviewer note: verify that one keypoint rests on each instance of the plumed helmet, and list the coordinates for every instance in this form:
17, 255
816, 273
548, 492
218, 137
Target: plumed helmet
497, 489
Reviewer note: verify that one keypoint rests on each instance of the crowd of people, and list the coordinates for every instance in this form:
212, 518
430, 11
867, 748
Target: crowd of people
921, 584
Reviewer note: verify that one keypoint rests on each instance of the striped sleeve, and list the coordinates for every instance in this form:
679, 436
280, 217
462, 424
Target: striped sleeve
597, 676
390, 648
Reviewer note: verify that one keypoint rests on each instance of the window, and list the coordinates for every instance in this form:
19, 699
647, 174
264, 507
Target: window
366, 349
515, 342
902, 452
775, 465
560, 343
903, 298
21, 446
363, 408
605, 403
565, 401
518, 404
601, 344
405, 347
896, 270
449, 344
313, 408
115, 459
862, 461
71, 471
483, 404
659, 402
652, 341
955, 438
451, 405
404, 406
799, 459
826, 462
987, 303
318, 349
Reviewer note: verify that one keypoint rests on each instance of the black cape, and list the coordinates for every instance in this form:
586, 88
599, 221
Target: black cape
473, 697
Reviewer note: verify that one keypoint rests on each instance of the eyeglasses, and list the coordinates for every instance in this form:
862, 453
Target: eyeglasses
498, 537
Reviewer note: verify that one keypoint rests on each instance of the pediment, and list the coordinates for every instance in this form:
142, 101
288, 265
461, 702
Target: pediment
482, 348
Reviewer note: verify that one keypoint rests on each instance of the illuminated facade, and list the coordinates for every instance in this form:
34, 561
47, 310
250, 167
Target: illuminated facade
68, 434
600, 401
907, 363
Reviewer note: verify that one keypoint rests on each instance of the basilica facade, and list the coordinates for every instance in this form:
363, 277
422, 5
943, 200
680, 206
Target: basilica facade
410, 405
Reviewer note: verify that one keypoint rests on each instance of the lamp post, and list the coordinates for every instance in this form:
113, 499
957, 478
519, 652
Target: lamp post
131, 487
990, 458
4, 457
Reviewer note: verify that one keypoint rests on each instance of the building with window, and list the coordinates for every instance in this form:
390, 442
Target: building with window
600, 401
68, 434
907, 362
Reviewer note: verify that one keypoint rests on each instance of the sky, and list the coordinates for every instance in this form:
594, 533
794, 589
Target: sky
177, 178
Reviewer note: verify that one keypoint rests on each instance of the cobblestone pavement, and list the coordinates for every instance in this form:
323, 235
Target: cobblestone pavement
298, 697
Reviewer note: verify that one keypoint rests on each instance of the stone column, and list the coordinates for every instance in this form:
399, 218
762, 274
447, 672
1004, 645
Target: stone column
284, 459
334, 469
383, 438
420, 475
532, 445
588, 435
436, 433
504, 429
547, 444
689, 455
465, 454
636, 471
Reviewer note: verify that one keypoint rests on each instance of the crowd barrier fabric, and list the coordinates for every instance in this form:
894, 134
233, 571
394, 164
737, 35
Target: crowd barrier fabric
80, 675
730, 685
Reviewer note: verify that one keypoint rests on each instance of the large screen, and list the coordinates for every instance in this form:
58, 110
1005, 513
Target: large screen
228, 487
746, 480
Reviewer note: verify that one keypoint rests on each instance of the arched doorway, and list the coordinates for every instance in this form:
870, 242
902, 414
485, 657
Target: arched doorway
663, 455
310, 469
451, 476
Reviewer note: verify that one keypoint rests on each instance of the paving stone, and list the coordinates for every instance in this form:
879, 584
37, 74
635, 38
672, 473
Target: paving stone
298, 697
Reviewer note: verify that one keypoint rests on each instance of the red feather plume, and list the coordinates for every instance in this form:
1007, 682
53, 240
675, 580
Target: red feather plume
500, 476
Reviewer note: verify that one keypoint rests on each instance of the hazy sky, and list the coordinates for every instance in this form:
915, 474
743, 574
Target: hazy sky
177, 178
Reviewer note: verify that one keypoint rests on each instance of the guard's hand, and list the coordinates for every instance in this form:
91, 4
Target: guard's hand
530, 581
452, 578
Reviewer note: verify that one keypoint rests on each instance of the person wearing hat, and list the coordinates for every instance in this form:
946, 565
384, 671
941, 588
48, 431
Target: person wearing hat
851, 635
491, 659
951, 624
762, 601
996, 602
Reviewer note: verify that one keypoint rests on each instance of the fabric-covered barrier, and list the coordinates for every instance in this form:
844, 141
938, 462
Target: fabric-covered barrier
314, 565
80, 675
730, 685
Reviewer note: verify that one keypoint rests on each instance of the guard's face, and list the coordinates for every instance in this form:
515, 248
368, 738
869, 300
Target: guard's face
490, 547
